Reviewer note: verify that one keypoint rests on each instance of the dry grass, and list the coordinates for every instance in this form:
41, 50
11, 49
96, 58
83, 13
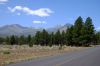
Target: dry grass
11, 54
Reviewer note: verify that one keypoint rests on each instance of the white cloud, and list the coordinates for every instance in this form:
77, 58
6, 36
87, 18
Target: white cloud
98, 28
15, 8
42, 12
39, 22
3, 1
18, 14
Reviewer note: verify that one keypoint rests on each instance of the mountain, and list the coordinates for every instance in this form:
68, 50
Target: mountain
54, 29
59, 27
16, 29
64, 28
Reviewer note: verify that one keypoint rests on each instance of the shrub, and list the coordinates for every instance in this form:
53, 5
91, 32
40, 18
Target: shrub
6, 52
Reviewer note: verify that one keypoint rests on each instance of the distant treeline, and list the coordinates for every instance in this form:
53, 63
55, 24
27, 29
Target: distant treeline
79, 34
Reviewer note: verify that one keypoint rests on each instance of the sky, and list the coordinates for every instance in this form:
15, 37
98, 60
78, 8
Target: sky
48, 13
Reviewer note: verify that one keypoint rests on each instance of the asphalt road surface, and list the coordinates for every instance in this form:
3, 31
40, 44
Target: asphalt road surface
87, 57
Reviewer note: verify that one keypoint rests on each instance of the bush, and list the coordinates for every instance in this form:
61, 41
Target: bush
6, 52
30, 45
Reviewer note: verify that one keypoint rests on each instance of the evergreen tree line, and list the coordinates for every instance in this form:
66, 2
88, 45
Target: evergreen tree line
79, 34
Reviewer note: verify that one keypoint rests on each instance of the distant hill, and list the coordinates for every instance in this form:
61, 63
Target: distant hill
59, 27
16, 29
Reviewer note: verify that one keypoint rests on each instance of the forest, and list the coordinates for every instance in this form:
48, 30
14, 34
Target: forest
81, 33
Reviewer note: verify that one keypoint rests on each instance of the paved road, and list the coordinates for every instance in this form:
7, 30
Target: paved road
87, 57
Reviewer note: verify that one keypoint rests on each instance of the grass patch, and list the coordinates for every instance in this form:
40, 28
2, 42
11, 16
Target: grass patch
12, 54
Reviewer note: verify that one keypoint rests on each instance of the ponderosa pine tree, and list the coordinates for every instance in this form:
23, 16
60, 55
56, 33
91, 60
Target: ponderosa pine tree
37, 38
51, 42
89, 30
57, 38
12, 40
83, 36
7, 40
63, 38
97, 38
29, 40
77, 31
45, 37
22, 40
69, 36
1, 40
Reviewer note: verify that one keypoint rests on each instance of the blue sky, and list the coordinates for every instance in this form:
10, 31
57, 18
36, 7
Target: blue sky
48, 13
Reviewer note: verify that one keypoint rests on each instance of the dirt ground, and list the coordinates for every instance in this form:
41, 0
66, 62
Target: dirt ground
10, 54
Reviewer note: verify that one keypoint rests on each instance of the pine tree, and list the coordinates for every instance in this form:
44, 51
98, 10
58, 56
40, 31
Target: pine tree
89, 30
57, 38
16, 40
69, 36
21, 40
32, 41
7, 40
12, 40
63, 38
83, 36
1, 40
45, 37
29, 41
37, 38
97, 38
77, 31
51, 42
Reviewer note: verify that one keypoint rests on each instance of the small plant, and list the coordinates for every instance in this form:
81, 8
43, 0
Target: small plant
6, 52
60, 48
